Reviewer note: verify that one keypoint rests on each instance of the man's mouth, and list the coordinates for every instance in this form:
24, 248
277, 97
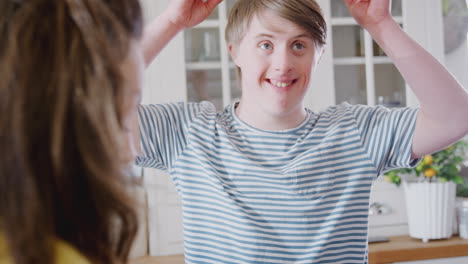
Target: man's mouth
281, 84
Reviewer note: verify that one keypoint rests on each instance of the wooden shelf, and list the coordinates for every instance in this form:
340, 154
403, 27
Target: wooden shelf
206, 65
399, 248
361, 60
210, 23
404, 248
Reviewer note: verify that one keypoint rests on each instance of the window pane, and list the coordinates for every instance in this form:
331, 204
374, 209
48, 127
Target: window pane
205, 85
339, 9
350, 84
396, 8
201, 45
389, 86
348, 41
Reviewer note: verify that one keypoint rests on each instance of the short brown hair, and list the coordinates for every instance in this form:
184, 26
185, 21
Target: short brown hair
304, 13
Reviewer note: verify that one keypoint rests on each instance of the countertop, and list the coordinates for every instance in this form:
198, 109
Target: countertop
399, 248
405, 248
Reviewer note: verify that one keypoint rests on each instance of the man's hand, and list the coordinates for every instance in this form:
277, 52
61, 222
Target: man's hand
369, 13
179, 15
188, 13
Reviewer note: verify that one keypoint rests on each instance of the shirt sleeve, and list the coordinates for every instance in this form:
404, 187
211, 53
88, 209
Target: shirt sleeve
164, 132
387, 135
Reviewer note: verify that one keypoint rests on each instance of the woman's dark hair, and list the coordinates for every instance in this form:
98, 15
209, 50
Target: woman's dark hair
61, 175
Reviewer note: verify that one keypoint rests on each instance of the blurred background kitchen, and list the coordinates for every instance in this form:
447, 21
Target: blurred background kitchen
196, 66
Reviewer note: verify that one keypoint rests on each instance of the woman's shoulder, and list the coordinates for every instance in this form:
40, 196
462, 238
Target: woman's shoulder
4, 258
64, 254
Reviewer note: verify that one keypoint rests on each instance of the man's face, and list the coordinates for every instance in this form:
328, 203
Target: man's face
276, 58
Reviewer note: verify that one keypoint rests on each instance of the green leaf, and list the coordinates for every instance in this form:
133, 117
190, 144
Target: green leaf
458, 179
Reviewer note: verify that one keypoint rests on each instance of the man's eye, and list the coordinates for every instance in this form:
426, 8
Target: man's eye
298, 46
266, 46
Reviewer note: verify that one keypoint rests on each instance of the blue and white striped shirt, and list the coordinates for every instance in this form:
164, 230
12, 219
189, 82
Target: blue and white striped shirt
294, 196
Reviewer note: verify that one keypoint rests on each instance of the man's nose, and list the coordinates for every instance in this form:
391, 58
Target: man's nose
283, 60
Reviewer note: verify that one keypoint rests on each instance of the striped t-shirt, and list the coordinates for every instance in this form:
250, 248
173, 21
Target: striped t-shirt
294, 196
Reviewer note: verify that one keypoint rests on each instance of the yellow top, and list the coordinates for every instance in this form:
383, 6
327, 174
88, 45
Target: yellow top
65, 254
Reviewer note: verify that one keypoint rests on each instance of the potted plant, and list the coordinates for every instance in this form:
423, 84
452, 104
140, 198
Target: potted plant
430, 190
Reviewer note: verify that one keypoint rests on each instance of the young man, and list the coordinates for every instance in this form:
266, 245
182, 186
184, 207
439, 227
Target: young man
267, 180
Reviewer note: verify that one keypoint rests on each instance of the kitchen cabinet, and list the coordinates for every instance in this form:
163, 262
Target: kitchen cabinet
211, 74
196, 66
363, 74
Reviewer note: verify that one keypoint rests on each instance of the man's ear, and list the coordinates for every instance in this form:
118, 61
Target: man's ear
233, 52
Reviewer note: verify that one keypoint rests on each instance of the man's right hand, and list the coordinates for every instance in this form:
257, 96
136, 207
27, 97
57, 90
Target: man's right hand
188, 13
179, 15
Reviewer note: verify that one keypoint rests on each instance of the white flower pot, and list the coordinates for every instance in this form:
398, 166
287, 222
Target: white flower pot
430, 209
